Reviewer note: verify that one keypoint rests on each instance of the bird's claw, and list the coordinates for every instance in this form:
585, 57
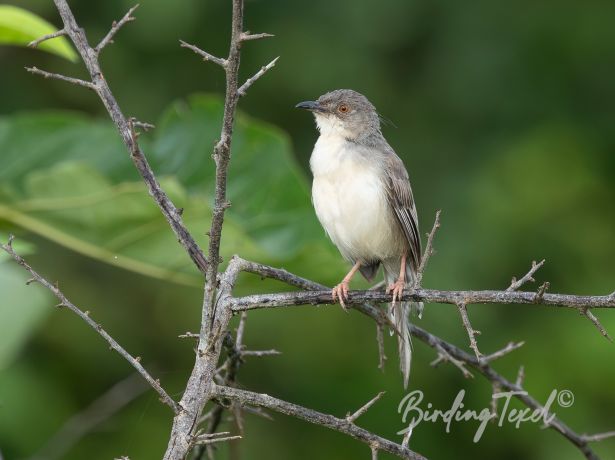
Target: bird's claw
397, 289
340, 292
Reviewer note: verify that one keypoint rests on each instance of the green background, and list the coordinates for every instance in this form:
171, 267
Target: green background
504, 116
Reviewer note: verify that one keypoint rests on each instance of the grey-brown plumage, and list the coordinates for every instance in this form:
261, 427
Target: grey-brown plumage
363, 199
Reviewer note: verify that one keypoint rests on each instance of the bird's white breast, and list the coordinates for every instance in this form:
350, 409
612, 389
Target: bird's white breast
350, 200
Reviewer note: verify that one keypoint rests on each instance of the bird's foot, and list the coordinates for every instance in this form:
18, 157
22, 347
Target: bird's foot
340, 292
397, 289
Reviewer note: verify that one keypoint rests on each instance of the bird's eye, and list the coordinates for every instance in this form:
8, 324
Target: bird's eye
342, 108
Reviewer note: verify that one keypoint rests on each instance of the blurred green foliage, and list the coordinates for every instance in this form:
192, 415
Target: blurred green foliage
505, 120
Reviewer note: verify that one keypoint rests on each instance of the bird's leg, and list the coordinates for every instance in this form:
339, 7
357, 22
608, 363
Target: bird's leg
341, 290
397, 288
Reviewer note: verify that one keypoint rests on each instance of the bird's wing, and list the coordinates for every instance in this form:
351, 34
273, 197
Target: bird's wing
399, 194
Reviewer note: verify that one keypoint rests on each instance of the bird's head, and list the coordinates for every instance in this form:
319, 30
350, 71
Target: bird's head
345, 113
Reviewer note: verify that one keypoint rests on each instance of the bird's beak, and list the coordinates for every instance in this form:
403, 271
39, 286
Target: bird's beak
312, 106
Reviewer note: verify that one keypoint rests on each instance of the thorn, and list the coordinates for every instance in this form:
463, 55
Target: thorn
585, 311
520, 376
541, 292
246, 36
350, 418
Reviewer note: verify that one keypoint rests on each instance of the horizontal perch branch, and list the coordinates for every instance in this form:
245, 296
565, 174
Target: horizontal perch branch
286, 299
363, 302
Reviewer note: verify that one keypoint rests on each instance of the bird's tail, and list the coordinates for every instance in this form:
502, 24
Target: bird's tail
399, 314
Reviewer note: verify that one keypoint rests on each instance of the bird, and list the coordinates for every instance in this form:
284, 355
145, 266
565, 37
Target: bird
363, 199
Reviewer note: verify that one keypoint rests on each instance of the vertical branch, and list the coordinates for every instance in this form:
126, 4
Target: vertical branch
222, 155
216, 310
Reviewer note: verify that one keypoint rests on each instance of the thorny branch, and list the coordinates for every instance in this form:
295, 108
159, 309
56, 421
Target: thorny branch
250, 81
85, 316
418, 279
342, 425
215, 314
99, 85
580, 441
322, 296
450, 352
219, 305
472, 333
38, 41
514, 285
115, 27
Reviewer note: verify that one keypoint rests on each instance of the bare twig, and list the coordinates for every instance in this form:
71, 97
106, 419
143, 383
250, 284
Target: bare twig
406, 441
495, 390
204, 54
418, 279
541, 291
213, 438
382, 357
598, 437
115, 27
350, 418
472, 333
514, 285
38, 41
250, 81
64, 302
140, 124
374, 450
247, 36
317, 418
504, 351
57, 76
596, 322
188, 335
259, 353
520, 376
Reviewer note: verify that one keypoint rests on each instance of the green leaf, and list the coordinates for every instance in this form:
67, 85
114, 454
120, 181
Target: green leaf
69, 179
20, 27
